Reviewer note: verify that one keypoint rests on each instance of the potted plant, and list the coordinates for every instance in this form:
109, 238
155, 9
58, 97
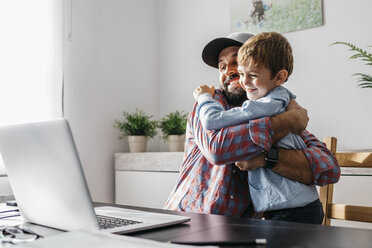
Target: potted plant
137, 127
365, 80
173, 126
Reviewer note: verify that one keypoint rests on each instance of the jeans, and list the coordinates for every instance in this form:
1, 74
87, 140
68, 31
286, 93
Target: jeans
312, 213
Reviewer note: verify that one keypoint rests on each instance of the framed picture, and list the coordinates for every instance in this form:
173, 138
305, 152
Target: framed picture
256, 16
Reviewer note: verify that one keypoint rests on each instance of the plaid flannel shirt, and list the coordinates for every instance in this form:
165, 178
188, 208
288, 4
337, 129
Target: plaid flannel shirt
209, 182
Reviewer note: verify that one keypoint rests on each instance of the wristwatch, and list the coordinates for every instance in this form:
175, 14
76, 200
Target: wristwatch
271, 157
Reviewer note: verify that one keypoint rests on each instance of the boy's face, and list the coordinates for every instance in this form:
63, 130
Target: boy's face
257, 81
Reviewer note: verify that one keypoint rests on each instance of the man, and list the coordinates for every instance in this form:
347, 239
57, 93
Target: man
209, 181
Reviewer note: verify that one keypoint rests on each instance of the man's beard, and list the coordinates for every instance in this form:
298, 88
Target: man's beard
235, 97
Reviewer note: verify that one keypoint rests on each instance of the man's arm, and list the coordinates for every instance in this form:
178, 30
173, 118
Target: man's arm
315, 164
292, 164
246, 141
324, 165
294, 120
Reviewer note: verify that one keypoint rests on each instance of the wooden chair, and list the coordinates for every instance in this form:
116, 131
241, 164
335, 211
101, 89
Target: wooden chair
361, 159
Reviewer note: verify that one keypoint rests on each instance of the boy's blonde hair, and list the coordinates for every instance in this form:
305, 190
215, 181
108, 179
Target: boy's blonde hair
269, 49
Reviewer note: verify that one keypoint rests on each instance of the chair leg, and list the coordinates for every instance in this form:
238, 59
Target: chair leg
325, 196
326, 192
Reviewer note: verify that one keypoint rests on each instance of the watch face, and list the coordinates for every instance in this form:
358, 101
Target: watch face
272, 154
271, 157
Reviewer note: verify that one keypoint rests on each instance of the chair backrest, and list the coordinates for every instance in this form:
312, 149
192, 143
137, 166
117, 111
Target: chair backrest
342, 211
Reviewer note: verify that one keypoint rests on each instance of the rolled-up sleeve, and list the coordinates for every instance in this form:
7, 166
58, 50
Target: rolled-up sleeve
325, 167
260, 132
226, 145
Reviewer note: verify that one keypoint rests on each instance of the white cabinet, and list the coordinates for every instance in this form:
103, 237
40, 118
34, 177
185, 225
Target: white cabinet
144, 188
146, 179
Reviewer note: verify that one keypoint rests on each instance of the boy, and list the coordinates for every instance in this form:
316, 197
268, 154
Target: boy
265, 62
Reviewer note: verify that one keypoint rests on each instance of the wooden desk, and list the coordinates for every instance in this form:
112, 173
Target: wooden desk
278, 234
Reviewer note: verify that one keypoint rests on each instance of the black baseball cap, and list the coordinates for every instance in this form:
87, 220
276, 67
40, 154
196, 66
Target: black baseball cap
212, 50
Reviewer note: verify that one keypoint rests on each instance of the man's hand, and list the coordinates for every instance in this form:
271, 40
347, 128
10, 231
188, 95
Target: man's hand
299, 116
293, 120
203, 89
252, 164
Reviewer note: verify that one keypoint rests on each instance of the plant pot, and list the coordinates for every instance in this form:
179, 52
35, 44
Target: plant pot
137, 143
176, 143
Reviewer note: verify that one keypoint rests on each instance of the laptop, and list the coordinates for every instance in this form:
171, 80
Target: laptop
48, 183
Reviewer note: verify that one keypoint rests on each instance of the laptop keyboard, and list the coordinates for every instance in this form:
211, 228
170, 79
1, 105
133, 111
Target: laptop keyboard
106, 222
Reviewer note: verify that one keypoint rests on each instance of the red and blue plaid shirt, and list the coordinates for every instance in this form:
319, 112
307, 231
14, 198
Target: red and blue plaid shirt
210, 183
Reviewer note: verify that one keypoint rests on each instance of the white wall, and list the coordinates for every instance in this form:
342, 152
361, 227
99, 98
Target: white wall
185, 27
147, 54
321, 79
110, 67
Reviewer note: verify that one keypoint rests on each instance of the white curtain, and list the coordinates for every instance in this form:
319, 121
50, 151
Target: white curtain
31, 61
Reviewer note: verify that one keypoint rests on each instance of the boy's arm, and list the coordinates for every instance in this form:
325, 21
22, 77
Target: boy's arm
235, 143
213, 116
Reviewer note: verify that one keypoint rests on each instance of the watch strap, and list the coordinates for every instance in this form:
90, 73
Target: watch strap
272, 157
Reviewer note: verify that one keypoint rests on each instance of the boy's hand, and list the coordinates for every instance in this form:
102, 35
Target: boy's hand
203, 89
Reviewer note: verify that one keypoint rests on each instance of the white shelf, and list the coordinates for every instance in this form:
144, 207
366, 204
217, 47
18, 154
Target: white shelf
149, 161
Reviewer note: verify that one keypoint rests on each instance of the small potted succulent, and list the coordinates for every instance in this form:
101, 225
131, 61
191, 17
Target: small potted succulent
173, 126
137, 127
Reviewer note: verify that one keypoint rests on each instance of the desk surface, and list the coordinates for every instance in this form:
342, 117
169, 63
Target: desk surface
204, 227
278, 234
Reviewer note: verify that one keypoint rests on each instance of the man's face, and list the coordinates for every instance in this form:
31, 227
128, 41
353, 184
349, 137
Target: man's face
229, 76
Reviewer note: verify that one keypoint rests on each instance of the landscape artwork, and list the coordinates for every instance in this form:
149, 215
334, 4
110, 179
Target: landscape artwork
256, 16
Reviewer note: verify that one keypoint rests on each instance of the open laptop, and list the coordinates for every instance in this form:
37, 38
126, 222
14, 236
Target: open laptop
48, 183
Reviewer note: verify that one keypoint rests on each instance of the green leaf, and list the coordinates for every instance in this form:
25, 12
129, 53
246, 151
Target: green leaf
365, 85
173, 123
137, 123
363, 77
363, 56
